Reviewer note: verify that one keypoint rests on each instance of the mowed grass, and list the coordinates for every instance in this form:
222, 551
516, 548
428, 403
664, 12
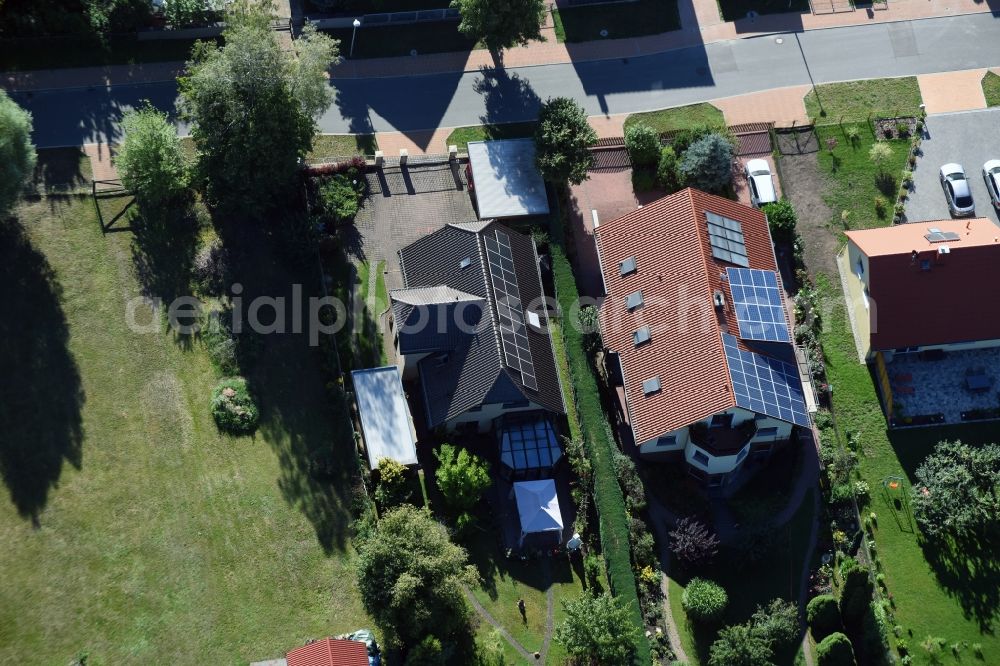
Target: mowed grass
852, 177
133, 531
634, 19
679, 118
461, 136
991, 88
778, 576
343, 145
955, 599
855, 101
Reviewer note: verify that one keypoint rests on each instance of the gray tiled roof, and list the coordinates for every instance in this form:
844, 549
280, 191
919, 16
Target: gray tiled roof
466, 369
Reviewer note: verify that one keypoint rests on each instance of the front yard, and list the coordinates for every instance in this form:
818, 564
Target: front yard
134, 528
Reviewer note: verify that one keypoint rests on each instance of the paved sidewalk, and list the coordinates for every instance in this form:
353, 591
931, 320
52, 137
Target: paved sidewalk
948, 92
700, 24
101, 165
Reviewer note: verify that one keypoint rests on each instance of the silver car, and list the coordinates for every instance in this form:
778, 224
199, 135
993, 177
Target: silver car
991, 175
758, 173
957, 190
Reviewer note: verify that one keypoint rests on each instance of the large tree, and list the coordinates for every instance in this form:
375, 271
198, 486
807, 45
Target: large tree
411, 575
150, 160
598, 630
253, 107
17, 154
708, 163
956, 492
562, 142
501, 24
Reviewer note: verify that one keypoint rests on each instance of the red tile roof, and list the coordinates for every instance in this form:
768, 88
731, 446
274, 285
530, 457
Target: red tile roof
330, 652
677, 275
953, 301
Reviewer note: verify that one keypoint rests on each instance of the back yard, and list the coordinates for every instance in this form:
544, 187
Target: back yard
133, 526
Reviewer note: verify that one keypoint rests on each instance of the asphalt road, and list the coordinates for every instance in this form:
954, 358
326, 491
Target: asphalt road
74, 116
969, 138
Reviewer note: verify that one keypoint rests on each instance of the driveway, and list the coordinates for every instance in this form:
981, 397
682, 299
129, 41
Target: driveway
969, 138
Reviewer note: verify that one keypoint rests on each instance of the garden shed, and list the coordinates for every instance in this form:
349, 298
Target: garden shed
386, 423
505, 180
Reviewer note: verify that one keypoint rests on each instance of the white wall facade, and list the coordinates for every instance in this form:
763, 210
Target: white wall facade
485, 415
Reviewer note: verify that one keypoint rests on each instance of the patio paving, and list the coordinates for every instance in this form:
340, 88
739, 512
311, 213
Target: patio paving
939, 386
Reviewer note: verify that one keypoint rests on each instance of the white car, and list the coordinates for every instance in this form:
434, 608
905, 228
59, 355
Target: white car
957, 190
991, 174
758, 173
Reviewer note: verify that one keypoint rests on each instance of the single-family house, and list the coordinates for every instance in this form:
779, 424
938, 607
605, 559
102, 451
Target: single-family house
695, 324
471, 325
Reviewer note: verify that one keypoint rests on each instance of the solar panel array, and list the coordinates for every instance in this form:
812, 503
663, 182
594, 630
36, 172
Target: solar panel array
758, 304
510, 311
765, 385
726, 238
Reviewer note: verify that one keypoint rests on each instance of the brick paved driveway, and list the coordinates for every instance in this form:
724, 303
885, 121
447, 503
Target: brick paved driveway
405, 204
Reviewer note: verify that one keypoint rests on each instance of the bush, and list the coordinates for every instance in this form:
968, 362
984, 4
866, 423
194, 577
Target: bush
880, 206
562, 140
211, 268
778, 623
855, 593
341, 197
835, 650
692, 542
150, 160
704, 601
461, 476
666, 170
17, 153
391, 489
643, 145
643, 180
682, 139
781, 219
233, 408
823, 616
708, 163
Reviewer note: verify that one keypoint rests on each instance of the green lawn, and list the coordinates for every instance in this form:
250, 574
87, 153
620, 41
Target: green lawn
679, 118
855, 101
52, 52
400, 40
132, 529
851, 175
343, 145
991, 88
749, 586
955, 599
633, 19
461, 136
733, 10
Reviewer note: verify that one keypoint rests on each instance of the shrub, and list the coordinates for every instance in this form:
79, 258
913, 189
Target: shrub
391, 489
643, 145
708, 163
853, 135
880, 206
823, 616
150, 160
211, 268
855, 592
666, 170
341, 197
740, 646
692, 542
778, 622
461, 476
704, 601
781, 219
682, 139
562, 140
17, 153
427, 652
643, 180
835, 650
233, 408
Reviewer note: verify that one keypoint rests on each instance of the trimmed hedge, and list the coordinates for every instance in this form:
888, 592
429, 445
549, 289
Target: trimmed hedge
612, 517
823, 616
835, 650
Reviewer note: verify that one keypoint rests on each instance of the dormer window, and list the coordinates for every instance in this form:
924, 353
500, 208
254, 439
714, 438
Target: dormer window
627, 267
651, 386
633, 300
641, 336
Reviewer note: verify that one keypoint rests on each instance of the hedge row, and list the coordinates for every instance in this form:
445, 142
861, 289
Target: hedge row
608, 497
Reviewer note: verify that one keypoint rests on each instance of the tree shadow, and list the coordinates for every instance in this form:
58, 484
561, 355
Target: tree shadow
968, 568
163, 251
41, 395
310, 433
506, 97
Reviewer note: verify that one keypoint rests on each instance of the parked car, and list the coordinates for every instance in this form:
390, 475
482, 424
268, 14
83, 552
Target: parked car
761, 183
957, 190
991, 174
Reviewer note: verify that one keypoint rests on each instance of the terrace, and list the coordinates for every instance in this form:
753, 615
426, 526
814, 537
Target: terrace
959, 386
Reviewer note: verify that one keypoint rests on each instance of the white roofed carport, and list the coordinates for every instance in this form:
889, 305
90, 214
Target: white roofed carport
505, 179
385, 417
538, 507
